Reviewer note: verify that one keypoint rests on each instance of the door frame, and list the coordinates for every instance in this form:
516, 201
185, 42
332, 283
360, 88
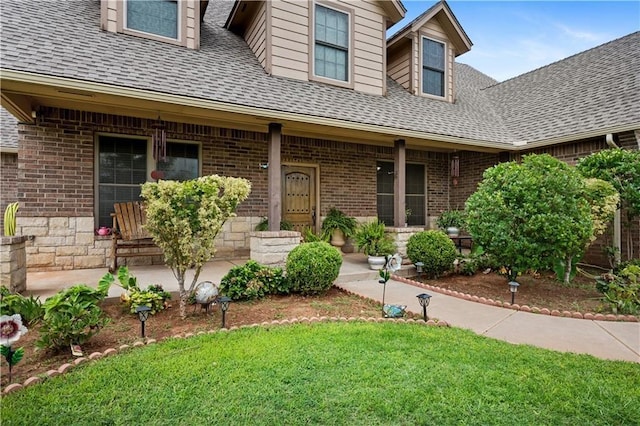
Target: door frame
316, 171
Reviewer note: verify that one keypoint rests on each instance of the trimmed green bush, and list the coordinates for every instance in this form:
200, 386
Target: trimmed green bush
253, 281
433, 248
313, 267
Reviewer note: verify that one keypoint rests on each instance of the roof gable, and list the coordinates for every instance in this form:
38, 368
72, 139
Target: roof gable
445, 17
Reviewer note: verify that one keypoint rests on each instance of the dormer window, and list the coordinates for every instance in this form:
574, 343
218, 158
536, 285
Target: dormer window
433, 67
332, 52
158, 17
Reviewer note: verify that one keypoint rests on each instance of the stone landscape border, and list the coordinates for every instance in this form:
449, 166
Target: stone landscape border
64, 368
524, 308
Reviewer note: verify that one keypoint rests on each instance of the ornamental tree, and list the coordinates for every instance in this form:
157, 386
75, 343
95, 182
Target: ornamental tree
529, 214
184, 219
621, 168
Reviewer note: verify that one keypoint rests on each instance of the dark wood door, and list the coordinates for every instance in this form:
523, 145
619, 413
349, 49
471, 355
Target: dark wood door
299, 196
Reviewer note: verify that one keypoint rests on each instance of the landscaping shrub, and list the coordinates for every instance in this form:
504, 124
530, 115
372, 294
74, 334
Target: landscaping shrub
30, 308
313, 267
433, 248
72, 316
253, 281
622, 290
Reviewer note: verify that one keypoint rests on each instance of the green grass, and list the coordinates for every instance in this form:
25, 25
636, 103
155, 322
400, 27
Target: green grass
336, 374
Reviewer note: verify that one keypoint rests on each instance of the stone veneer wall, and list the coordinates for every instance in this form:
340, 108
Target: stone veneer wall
272, 248
63, 243
13, 263
401, 237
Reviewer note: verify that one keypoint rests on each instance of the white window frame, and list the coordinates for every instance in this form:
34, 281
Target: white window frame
181, 5
312, 45
445, 88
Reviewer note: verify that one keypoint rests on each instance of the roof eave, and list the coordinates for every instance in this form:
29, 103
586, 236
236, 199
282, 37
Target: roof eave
265, 115
525, 146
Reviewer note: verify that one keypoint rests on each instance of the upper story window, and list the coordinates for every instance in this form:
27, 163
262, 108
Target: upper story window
433, 67
159, 17
331, 50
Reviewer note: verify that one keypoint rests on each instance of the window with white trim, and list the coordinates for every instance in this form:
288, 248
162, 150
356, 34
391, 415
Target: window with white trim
331, 50
158, 17
433, 67
124, 163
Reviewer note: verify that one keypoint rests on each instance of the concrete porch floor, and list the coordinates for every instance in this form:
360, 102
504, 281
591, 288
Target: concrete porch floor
45, 284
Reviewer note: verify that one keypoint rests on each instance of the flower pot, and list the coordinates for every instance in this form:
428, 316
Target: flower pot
452, 231
337, 238
348, 246
376, 262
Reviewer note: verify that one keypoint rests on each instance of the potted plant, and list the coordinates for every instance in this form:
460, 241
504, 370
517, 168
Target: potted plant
337, 226
375, 243
451, 221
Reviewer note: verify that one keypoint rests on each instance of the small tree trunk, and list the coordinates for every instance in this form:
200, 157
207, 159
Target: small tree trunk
567, 269
183, 295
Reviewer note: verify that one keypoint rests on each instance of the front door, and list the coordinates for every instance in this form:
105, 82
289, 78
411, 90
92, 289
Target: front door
299, 196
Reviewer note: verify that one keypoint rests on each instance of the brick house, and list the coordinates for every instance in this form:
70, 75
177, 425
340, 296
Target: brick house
309, 100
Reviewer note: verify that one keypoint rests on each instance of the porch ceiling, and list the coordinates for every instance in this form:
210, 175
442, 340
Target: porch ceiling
22, 94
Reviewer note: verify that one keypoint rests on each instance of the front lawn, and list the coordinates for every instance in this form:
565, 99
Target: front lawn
336, 373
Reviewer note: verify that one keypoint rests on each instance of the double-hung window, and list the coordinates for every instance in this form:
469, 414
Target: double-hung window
124, 163
433, 67
158, 17
331, 50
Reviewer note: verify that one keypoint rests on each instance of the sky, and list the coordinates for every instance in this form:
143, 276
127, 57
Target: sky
513, 37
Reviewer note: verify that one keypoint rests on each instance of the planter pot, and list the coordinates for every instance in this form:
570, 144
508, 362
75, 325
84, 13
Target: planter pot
348, 246
452, 231
337, 238
377, 262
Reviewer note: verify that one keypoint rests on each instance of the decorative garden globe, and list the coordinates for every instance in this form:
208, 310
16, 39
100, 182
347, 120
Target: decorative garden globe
206, 292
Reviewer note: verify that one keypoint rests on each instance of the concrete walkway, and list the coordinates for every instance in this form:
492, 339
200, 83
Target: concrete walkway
603, 339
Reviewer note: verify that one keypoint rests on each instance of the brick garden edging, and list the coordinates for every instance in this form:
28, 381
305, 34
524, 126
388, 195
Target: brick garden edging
64, 368
515, 306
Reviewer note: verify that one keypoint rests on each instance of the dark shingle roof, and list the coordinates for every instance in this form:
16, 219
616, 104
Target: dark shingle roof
64, 39
592, 90
8, 131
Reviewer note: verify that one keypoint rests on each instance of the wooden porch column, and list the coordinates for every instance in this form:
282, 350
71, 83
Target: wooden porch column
275, 179
399, 183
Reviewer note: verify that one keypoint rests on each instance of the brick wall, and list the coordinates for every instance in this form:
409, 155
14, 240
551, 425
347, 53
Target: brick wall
472, 166
8, 182
56, 175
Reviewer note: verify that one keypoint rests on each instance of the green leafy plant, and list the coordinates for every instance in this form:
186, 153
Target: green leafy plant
336, 219
29, 308
621, 168
529, 214
311, 237
184, 219
371, 239
153, 297
10, 219
434, 249
451, 218
313, 267
253, 281
264, 225
622, 291
73, 315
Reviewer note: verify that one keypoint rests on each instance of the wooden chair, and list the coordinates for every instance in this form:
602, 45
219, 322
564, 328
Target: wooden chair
129, 238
